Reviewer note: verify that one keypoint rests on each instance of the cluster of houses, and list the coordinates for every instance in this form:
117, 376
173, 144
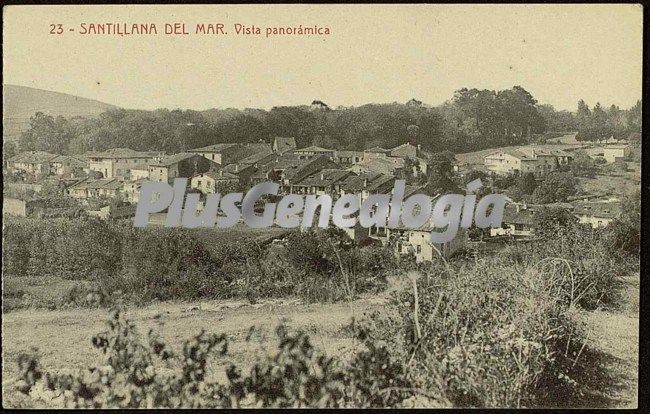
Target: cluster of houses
540, 160
519, 218
118, 173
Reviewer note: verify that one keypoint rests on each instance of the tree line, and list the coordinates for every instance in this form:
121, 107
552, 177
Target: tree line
472, 120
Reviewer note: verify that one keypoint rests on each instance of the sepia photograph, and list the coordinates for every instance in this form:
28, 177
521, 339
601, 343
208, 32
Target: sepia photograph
321, 206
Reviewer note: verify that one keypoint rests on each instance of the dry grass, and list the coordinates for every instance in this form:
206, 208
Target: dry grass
63, 336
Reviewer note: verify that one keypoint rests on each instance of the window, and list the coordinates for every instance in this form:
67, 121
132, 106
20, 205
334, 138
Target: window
418, 248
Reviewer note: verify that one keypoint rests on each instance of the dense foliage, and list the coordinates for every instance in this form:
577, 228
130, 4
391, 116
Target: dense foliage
472, 120
495, 331
163, 263
597, 123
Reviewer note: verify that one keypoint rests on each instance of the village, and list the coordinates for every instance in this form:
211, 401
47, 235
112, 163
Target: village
106, 184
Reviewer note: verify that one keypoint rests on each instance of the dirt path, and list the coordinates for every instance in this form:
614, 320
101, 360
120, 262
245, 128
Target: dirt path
615, 336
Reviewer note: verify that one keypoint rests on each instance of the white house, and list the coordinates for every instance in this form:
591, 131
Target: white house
613, 153
538, 161
597, 213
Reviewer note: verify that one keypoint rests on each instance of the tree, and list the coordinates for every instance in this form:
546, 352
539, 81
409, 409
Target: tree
625, 230
440, 171
583, 165
46, 133
548, 220
556, 187
524, 186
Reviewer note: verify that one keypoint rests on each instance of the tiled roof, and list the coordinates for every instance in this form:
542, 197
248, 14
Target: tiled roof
403, 150
257, 157
380, 165
121, 153
366, 181
216, 148
597, 209
313, 148
172, 159
33, 157
325, 177
66, 159
220, 175
347, 154
377, 149
101, 183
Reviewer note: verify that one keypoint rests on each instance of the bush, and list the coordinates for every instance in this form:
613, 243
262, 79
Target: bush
163, 263
484, 336
145, 372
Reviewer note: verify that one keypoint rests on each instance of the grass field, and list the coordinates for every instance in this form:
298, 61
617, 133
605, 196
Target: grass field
63, 336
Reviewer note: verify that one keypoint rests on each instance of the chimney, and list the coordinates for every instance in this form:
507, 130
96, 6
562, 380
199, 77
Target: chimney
322, 176
236, 167
220, 173
365, 182
517, 207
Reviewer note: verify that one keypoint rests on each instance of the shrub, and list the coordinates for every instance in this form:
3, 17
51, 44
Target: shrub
139, 373
484, 336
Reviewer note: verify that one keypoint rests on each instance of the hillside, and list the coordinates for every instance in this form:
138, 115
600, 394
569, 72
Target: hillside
21, 102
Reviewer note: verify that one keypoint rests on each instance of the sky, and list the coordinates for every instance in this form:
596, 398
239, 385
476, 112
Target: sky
373, 54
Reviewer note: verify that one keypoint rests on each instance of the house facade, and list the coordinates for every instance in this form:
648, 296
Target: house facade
31, 162
213, 181
596, 214
313, 151
526, 160
325, 181
613, 153
118, 162
185, 164
95, 188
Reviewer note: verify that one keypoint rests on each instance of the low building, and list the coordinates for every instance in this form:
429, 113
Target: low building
67, 165
418, 242
613, 153
95, 188
312, 152
140, 172
406, 150
384, 165
348, 157
325, 181
219, 153
538, 161
214, 181
224, 154
518, 221
596, 214
118, 162
367, 183
131, 190
31, 162
185, 164
288, 169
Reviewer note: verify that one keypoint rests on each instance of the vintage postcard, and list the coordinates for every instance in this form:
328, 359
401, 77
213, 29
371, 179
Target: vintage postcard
321, 206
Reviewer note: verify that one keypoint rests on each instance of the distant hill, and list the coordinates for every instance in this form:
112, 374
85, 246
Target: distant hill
21, 102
